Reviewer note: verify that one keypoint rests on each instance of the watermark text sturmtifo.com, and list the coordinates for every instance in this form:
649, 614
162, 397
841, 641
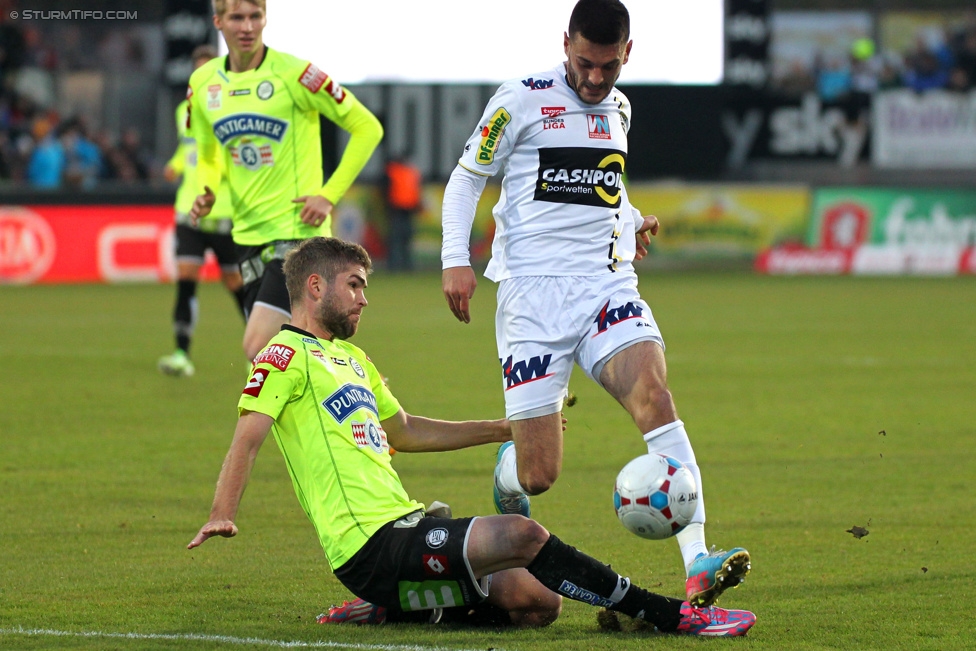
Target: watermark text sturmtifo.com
73, 14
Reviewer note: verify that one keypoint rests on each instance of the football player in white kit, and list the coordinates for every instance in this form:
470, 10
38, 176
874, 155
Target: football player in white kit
565, 241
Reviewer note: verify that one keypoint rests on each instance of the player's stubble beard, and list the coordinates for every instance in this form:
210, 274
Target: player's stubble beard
335, 320
575, 81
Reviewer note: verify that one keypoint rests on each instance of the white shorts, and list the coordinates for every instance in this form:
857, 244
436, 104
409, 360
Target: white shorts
544, 324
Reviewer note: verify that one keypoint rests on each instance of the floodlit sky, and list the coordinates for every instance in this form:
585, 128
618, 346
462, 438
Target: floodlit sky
465, 41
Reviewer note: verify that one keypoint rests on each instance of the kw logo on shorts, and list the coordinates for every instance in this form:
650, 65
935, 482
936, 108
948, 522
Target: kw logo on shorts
522, 371
585, 176
612, 316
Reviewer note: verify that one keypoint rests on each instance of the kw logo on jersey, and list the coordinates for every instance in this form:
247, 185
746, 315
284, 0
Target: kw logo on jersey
537, 84
580, 175
349, 399
491, 135
612, 316
523, 371
249, 124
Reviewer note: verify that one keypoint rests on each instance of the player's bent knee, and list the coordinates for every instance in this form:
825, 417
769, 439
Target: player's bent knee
528, 537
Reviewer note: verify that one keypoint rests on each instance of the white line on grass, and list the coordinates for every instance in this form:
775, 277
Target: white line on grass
227, 639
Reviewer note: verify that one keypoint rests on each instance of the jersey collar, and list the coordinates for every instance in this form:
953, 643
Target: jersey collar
264, 57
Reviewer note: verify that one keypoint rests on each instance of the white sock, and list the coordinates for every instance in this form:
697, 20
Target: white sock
672, 440
507, 476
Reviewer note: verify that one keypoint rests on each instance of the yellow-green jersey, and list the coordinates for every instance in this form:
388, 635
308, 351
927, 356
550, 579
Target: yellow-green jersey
184, 163
264, 125
328, 401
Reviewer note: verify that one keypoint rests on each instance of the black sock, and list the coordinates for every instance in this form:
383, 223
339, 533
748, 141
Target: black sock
183, 318
571, 573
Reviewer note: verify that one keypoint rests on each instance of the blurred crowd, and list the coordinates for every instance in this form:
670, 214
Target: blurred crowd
940, 58
43, 148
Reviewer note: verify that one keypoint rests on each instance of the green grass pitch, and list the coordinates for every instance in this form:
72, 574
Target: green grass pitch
815, 404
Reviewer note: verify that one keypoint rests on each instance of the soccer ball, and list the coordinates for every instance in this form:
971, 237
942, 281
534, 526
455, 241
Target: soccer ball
655, 496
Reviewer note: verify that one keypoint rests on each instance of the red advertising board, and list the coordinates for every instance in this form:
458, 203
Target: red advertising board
68, 244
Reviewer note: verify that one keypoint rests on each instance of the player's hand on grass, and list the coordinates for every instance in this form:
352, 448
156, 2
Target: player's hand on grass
648, 228
224, 528
459, 284
202, 205
316, 209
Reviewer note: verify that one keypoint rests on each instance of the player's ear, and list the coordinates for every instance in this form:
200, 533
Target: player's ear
315, 286
566, 43
627, 51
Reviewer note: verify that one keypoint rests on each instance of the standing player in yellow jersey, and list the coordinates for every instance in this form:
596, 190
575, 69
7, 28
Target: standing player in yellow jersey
192, 241
257, 109
334, 420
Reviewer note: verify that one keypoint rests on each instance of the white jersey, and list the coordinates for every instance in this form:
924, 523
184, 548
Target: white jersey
563, 210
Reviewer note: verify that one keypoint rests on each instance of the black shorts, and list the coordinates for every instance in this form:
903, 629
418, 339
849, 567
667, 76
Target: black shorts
264, 278
192, 244
415, 563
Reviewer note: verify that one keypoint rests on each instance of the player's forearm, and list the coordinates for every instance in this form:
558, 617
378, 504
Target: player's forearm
461, 197
251, 431
419, 434
365, 133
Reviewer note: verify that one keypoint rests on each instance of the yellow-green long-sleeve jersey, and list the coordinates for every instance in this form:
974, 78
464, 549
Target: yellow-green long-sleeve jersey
264, 125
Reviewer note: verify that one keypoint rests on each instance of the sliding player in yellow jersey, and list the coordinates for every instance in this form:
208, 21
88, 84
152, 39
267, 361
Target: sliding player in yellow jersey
257, 110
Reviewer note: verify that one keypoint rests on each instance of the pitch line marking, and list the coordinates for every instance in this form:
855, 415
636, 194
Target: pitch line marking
228, 639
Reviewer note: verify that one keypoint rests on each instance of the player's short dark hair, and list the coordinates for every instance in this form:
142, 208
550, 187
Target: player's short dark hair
325, 256
205, 51
604, 22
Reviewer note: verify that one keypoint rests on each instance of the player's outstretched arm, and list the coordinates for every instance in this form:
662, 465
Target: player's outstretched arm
252, 429
459, 284
408, 433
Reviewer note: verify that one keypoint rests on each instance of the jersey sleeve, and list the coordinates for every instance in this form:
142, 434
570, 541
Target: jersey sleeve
315, 90
494, 139
178, 161
276, 378
199, 128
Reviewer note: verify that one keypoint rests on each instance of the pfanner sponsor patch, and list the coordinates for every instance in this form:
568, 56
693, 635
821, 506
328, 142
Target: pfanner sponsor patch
491, 135
277, 355
348, 400
312, 78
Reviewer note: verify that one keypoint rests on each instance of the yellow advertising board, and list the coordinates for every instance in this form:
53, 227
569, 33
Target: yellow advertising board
718, 220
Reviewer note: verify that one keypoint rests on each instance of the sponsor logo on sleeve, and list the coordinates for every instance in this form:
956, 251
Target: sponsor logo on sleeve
213, 96
436, 564
256, 382
349, 399
312, 78
598, 126
338, 93
491, 135
276, 355
249, 124
580, 175
537, 84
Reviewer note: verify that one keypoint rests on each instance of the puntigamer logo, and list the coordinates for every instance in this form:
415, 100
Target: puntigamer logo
581, 175
491, 135
249, 124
